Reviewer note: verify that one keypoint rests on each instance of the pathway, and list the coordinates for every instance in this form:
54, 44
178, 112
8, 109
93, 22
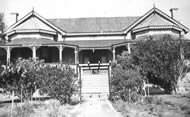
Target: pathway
96, 108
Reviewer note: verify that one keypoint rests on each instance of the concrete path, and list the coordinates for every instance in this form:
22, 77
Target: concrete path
96, 108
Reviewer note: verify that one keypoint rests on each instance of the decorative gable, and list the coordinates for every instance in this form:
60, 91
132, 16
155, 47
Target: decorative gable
33, 23
154, 20
33, 26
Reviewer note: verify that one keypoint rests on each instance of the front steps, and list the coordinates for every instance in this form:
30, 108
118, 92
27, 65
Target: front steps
95, 84
86, 96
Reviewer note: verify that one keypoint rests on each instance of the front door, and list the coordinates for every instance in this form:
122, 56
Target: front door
92, 57
95, 56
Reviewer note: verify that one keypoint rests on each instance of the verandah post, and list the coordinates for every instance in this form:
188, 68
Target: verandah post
60, 53
113, 52
34, 53
76, 56
8, 54
129, 48
109, 77
80, 84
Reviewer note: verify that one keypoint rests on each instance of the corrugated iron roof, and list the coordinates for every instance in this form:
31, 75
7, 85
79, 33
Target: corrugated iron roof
30, 41
78, 43
98, 24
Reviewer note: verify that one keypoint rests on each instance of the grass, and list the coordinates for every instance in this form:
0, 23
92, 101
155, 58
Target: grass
156, 106
48, 108
40, 108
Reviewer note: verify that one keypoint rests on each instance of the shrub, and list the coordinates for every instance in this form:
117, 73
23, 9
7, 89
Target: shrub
126, 80
25, 76
21, 78
59, 82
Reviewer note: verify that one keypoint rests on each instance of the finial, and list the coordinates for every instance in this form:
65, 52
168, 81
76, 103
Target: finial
32, 8
32, 11
154, 6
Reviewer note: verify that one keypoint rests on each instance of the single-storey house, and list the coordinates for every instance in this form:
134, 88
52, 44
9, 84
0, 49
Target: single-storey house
83, 40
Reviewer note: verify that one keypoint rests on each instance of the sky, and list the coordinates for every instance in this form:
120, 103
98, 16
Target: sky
93, 8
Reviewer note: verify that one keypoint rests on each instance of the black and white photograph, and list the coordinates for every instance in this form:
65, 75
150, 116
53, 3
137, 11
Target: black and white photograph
94, 58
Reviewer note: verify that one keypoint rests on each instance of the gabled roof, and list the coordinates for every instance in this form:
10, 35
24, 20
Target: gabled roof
156, 17
101, 25
153, 20
33, 23
38, 22
97, 24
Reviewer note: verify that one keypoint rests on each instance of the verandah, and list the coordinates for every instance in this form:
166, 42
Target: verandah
60, 53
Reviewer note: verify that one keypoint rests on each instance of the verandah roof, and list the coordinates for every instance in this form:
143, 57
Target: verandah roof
30, 41
95, 43
81, 43
76, 43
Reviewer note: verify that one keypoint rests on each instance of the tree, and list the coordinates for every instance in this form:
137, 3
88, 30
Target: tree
2, 27
160, 60
2, 24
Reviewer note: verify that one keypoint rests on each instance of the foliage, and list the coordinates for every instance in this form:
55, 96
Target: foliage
2, 57
23, 110
26, 76
20, 78
59, 82
2, 27
160, 60
186, 52
126, 80
2, 24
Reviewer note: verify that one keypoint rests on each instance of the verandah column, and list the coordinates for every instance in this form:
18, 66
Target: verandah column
8, 54
113, 52
129, 48
60, 53
76, 56
34, 53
